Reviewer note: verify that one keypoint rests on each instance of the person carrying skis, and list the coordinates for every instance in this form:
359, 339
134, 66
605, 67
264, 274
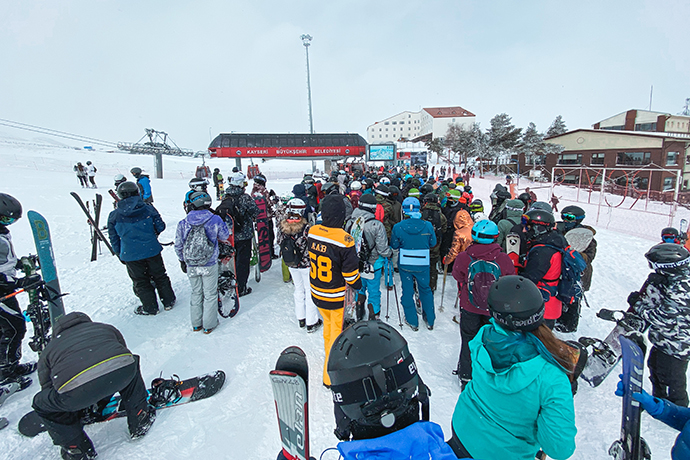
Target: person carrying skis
461, 237
218, 183
80, 169
293, 229
431, 212
91, 172
243, 211
373, 252
572, 222
12, 323
475, 270
392, 422
196, 246
84, 365
334, 266
144, 184
133, 229
520, 383
664, 303
543, 262
414, 238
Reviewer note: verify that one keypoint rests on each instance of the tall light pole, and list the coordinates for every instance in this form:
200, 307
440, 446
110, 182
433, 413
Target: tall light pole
306, 41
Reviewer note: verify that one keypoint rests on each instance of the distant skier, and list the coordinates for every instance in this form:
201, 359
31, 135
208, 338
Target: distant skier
218, 183
82, 174
84, 365
664, 302
12, 323
520, 383
91, 171
133, 229
144, 184
196, 246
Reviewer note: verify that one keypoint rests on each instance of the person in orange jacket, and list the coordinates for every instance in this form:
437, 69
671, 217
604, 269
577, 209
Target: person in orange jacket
462, 223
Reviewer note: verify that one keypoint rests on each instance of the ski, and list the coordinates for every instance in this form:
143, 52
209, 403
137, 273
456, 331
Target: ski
254, 261
92, 222
163, 393
46, 262
261, 225
94, 236
631, 446
290, 381
513, 248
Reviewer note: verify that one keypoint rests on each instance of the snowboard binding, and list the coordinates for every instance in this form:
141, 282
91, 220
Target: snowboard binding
165, 391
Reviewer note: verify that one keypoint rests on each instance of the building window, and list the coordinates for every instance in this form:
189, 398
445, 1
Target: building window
570, 159
385, 123
598, 158
669, 183
614, 128
645, 126
633, 158
672, 158
395, 122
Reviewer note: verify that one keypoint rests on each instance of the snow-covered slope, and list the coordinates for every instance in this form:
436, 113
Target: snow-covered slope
240, 421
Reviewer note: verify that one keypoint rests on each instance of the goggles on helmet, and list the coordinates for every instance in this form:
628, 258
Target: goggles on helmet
568, 217
7, 220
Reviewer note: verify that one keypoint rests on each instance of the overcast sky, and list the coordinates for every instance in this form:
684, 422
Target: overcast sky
108, 69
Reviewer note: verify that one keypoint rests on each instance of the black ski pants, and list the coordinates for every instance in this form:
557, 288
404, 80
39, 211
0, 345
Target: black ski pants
243, 256
570, 317
149, 276
470, 323
668, 376
60, 411
12, 331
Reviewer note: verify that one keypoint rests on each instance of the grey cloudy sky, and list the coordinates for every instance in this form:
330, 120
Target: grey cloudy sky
108, 69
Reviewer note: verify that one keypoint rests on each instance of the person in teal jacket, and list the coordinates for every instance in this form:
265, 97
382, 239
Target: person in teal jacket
519, 399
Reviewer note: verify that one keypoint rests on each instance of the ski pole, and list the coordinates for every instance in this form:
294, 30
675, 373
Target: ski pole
386, 273
397, 304
9, 296
443, 288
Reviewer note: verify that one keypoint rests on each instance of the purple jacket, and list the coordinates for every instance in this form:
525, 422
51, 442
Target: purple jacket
491, 252
213, 225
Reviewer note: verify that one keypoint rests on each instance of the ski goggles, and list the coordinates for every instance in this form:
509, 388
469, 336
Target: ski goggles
568, 217
7, 220
670, 238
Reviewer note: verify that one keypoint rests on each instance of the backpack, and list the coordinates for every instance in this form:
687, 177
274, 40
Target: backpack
356, 230
481, 274
569, 289
234, 211
434, 217
197, 249
290, 251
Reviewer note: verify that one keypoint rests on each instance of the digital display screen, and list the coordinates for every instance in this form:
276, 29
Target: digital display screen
381, 152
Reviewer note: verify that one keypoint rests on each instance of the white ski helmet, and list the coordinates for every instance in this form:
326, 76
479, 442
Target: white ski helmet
237, 179
356, 185
296, 206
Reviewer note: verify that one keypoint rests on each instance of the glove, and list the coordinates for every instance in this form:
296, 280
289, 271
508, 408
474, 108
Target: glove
183, 266
28, 281
633, 298
654, 406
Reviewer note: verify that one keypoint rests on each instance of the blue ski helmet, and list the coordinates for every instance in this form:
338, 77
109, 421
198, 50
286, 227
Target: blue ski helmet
485, 232
410, 205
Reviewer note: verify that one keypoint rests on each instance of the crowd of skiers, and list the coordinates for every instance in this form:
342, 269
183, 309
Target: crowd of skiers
340, 240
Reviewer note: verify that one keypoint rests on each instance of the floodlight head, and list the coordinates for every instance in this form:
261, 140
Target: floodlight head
306, 39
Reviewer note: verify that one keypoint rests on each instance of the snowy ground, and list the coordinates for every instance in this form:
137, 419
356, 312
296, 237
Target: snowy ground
240, 421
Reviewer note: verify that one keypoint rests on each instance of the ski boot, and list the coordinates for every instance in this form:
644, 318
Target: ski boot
82, 449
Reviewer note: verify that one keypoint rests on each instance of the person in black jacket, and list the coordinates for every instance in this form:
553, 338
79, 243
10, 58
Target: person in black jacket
84, 365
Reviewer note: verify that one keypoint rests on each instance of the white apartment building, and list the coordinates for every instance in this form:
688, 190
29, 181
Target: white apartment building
418, 126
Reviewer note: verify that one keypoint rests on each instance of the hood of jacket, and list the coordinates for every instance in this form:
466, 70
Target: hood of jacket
199, 216
514, 210
333, 211
69, 320
414, 225
299, 190
484, 251
131, 206
292, 228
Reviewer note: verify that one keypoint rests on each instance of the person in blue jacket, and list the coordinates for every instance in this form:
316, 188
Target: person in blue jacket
665, 411
392, 423
519, 399
414, 237
144, 184
133, 229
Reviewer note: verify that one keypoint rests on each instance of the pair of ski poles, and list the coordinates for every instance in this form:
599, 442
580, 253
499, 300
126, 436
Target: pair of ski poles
443, 289
390, 286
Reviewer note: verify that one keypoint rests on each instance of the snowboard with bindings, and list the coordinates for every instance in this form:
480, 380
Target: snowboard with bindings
262, 234
513, 248
605, 354
579, 238
46, 262
228, 296
254, 261
290, 382
92, 222
163, 393
38, 309
631, 446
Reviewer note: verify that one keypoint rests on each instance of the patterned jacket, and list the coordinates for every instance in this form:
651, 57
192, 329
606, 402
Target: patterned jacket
244, 205
299, 231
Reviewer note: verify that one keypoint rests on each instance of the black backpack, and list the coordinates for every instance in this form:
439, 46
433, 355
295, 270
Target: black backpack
434, 217
290, 251
234, 211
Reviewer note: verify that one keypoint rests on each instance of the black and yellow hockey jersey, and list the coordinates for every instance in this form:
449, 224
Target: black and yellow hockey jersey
333, 263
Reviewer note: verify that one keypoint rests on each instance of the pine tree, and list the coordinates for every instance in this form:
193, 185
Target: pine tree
532, 143
557, 127
502, 136
686, 108
435, 145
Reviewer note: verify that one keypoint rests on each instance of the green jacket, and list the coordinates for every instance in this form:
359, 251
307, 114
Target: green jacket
517, 402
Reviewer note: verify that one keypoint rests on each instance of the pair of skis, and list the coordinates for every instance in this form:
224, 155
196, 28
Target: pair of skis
96, 233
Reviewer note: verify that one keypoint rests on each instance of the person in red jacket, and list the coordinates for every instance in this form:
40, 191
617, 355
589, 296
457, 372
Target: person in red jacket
475, 269
544, 258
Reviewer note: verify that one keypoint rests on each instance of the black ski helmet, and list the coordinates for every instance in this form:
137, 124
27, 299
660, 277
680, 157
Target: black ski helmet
330, 188
198, 185
539, 221
10, 209
394, 191
572, 213
260, 179
516, 303
667, 257
368, 202
382, 190
199, 200
426, 189
374, 381
136, 172
127, 189
670, 235
430, 198
525, 198
541, 205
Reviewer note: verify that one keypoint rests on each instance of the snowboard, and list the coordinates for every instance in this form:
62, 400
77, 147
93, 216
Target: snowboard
38, 310
228, 296
93, 223
605, 354
163, 393
631, 446
579, 238
262, 234
513, 248
290, 381
46, 261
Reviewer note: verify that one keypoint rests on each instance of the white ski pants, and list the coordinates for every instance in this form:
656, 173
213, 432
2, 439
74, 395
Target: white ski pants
203, 303
304, 305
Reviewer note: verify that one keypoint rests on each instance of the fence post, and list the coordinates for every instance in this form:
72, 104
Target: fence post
601, 194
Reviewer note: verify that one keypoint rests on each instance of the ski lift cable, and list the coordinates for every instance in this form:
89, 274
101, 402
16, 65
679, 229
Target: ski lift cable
53, 132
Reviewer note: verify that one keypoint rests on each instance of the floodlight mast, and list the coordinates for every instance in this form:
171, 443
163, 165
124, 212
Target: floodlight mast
306, 41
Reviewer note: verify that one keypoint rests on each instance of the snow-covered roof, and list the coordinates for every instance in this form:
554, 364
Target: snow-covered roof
679, 136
